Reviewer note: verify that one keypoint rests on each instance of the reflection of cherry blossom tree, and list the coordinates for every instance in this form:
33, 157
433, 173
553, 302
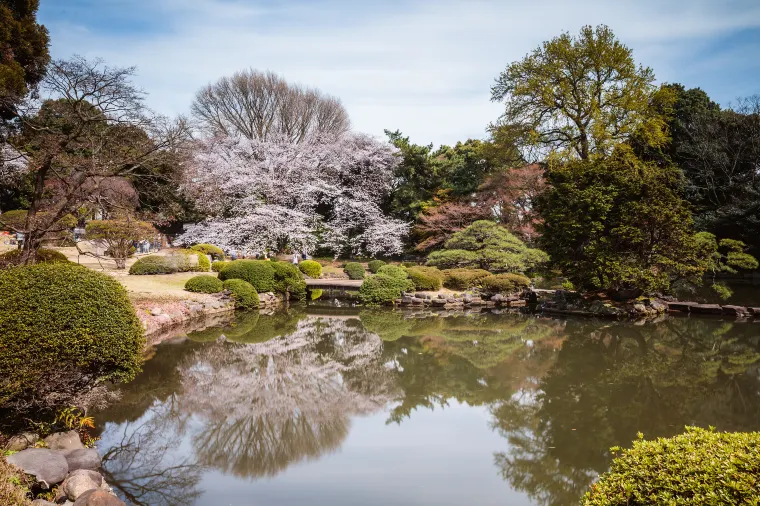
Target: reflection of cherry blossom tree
271, 404
264, 195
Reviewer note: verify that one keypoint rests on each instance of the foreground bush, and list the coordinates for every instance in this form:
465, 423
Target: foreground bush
219, 265
214, 252
204, 284
383, 289
463, 279
259, 273
48, 256
311, 268
699, 467
63, 328
354, 270
374, 265
426, 278
289, 280
243, 293
503, 283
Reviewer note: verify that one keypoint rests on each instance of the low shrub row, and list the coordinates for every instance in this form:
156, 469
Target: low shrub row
267, 276
463, 279
214, 252
503, 283
374, 265
218, 265
204, 284
426, 278
12, 257
177, 261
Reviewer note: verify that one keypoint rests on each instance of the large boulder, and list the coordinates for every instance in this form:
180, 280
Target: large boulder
64, 441
83, 458
98, 498
47, 466
80, 481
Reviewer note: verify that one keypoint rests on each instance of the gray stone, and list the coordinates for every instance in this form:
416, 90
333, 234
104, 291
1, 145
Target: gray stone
163, 319
98, 498
707, 309
42, 502
639, 308
156, 311
79, 482
22, 441
754, 311
64, 441
47, 466
86, 458
735, 310
684, 307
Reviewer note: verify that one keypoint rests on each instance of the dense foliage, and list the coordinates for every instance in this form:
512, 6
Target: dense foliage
311, 268
218, 265
204, 283
64, 328
48, 256
374, 265
384, 289
505, 283
177, 261
288, 280
393, 271
726, 255
243, 293
258, 273
426, 278
214, 252
354, 270
463, 279
698, 467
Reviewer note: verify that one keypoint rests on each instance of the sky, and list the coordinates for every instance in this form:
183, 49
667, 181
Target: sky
424, 67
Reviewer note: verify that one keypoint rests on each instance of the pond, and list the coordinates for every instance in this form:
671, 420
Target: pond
375, 407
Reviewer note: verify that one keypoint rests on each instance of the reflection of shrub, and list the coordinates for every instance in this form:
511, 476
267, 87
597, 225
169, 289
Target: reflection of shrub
204, 284
315, 294
259, 273
382, 289
426, 278
219, 265
46, 256
354, 270
697, 467
214, 252
288, 279
243, 293
374, 265
64, 328
463, 279
311, 268
504, 283
393, 271
389, 325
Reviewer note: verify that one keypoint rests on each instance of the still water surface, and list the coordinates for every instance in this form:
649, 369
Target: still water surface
375, 408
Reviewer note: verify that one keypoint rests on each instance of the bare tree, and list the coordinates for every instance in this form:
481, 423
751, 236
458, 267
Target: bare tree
262, 105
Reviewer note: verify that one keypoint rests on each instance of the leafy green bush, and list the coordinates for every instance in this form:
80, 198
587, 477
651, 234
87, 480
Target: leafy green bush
219, 265
463, 279
177, 261
393, 271
153, 264
426, 278
288, 279
243, 292
63, 328
203, 265
374, 265
204, 283
453, 259
410, 264
259, 273
214, 252
48, 256
354, 270
382, 289
701, 467
311, 268
504, 283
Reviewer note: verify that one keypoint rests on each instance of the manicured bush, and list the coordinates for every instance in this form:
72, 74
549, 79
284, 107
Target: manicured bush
203, 265
374, 265
153, 264
288, 279
504, 283
698, 467
393, 271
49, 256
354, 270
463, 279
243, 293
259, 273
63, 328
219, 265
177, 261
426, 278
383, 289
311, 268
452, 259
214, 252
204, 283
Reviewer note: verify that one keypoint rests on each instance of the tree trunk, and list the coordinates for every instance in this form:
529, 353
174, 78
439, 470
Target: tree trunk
32, 244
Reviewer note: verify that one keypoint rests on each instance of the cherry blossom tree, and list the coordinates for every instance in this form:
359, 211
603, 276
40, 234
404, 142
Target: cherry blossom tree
270, 194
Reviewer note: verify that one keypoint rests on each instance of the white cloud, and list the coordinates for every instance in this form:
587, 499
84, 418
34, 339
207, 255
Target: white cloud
424, 67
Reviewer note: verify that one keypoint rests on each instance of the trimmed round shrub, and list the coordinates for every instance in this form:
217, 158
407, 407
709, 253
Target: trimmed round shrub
697, 467
393, 271
204, 283
504, 283
311, 268
214, 252
463, 279
219, 265
204, 264
259, 273
63, 328
374, 265
47, 256
354, 270
288, 279
383, 289
426, 278
243, 293
153, 264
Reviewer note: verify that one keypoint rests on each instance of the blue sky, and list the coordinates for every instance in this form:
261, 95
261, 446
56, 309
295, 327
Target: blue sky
421, 66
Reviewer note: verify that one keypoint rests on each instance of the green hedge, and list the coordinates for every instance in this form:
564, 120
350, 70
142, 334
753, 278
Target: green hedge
49, 256
311, 268
504, 283
383, 289
243, 293
205, 283
219, 265
204, 264
288, 279
354, 270
152, 264
62, 325
463, 279
214, 252
699, 467
374, 265
259, 273
426, 278
394, 271
177, 261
